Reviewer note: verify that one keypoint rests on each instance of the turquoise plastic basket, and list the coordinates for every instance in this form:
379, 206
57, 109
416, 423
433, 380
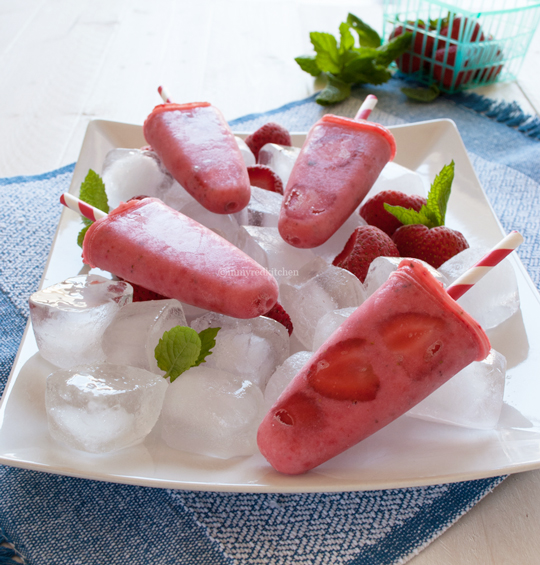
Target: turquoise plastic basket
465, 43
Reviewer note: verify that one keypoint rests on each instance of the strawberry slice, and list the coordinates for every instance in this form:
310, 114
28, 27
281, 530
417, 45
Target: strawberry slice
345, 373
264, 177
278, 313
297, 408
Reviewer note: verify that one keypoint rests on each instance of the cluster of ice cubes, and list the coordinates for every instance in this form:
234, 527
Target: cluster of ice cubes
109, 392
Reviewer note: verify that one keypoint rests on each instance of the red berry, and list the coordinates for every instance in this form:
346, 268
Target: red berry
269, 133
421, 48
374, 213
344, 372
141, 294
264, 177
365, 244
432, 245
279, 314
462, 30
446, 75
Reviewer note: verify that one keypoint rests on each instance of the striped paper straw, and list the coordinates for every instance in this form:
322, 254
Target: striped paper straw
462, 284
82, 208
367, 106
165, 94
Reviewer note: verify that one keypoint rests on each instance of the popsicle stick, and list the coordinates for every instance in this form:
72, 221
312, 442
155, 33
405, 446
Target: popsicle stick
165, 94
468, 279
82, 208
367, 106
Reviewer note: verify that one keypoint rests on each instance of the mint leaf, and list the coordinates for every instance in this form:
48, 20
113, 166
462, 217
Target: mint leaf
394, 48
177, 351
208, 342
420, 94
325, 45
346, 38
92, 192
433, 214
335, 91
367, 36
309, 65
437, 200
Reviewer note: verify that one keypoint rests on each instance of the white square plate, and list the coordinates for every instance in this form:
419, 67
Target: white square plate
409, 452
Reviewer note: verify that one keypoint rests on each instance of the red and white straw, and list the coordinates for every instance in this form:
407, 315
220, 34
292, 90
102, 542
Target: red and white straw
165, 94
367, 106
82, 208
468, 279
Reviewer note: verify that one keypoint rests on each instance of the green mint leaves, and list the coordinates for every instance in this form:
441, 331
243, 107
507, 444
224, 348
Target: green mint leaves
92, 192
420, 94
182, 348
434, 212
344, 64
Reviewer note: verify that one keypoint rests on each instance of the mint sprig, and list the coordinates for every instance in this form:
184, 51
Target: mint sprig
182, 348
433, 213
92, 192
344, 64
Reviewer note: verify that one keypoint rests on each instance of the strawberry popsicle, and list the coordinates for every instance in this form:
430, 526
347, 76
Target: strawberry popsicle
405, 341
149, 244
339, 162
196, 145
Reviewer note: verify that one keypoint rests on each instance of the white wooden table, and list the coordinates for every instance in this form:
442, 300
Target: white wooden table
65, 62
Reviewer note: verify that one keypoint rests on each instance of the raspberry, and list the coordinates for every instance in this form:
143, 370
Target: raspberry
432, 245
365, 244
374, 213
269, 133
264, 177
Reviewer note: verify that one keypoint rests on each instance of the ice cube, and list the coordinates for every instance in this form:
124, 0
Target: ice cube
283, 375
212, 412
133, 334
308, 298
247, 154
397, 177
495, 297
103, 408
176, 196
69, 318
263, 208
133, 172
280, 158
250, 349
473, 398
328, 324
282, 260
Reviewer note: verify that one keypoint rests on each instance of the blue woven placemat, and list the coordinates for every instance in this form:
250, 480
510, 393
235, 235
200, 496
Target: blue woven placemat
48, 519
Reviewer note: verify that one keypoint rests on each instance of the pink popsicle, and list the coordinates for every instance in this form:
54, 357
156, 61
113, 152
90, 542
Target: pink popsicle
405, 341
337, 166
196, 145
147, 243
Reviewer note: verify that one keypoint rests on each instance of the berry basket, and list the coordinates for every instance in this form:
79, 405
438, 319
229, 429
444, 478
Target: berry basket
464, 43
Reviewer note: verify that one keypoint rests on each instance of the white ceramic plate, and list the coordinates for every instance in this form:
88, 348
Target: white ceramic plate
409, 452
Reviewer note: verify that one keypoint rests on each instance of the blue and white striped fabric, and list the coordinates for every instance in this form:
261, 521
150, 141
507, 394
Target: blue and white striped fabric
54, 520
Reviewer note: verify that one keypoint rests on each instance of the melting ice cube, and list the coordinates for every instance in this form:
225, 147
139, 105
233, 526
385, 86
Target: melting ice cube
280, 158
263, 208
133, 334
328, 324
103, 408
315, 292
212, 413
247, 154
283, 375
251, 349
393, 175
133, 172
473, 398
69, 318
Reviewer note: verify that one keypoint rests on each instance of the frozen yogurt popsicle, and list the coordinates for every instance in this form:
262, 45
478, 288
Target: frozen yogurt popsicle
401, 344
152, 245
337, 166
196, 145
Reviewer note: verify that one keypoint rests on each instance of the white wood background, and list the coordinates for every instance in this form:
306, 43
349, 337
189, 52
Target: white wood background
65, 62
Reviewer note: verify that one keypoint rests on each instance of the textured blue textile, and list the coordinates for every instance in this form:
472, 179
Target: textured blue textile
53, 519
